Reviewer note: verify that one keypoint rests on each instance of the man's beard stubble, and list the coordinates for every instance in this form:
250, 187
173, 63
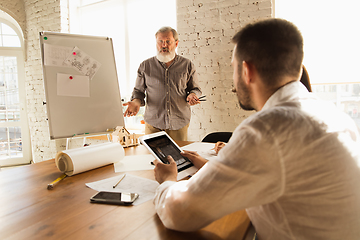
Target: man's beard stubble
243, 95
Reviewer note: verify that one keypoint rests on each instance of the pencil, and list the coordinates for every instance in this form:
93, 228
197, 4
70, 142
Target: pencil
119, 181
51, 185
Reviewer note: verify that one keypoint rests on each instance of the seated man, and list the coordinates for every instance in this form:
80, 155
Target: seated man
293, 165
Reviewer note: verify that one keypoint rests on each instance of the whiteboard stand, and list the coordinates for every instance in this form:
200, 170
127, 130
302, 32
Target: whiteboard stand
68, 140
79, 101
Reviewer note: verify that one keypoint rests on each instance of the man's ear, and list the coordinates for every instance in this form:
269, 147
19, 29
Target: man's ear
247, 72
177, 43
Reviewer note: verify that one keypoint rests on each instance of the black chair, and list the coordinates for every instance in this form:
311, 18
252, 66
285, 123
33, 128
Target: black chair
215, 137
305, 79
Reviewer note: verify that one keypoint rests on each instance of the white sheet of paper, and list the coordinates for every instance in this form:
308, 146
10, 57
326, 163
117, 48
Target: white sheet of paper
55, 55
204, 149
82, 62
130, 184
134, 163
78, 86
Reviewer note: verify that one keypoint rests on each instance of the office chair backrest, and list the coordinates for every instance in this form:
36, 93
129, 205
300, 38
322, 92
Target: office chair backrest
215, 137
305, 79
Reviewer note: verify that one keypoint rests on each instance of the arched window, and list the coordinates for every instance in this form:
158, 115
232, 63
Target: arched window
14, 130
9, 37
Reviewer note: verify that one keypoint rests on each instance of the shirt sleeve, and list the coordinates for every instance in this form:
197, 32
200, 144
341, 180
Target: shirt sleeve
140, 85
193, 83
242, 176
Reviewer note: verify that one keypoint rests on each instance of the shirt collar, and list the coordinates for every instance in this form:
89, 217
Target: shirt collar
286, 93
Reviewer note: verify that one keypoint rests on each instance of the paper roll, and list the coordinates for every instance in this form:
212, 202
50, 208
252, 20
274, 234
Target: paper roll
74, 161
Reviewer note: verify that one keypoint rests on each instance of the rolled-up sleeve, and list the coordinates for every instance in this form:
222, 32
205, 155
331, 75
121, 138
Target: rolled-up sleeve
193, 83
232, 182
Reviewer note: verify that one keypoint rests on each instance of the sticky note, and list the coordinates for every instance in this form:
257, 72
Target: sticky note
73, 85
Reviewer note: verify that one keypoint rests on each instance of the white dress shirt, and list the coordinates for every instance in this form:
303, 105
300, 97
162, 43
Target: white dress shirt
294, 166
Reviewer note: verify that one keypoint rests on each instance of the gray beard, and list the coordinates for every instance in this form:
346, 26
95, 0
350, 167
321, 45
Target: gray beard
165, 57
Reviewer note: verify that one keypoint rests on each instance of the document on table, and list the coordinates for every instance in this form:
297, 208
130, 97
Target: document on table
204, 149
134, 163
130, 184
143, 162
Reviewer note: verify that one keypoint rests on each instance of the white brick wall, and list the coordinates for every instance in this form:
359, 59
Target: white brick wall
205, 29
41, 15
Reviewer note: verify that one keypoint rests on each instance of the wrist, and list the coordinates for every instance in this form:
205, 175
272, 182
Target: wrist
137, 101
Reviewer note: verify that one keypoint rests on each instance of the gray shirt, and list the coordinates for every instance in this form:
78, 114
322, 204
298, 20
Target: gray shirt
166, 90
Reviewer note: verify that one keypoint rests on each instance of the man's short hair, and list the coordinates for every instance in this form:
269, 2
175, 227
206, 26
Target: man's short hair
273, 46
168, 29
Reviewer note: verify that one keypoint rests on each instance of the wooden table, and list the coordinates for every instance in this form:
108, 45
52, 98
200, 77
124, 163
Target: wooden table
29, 211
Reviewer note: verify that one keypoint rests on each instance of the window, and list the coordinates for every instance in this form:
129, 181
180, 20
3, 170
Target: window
9, 38
132, 25
331, 46
14, 130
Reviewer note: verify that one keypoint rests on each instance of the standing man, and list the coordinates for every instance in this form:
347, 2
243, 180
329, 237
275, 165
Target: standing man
294, 165
170, 84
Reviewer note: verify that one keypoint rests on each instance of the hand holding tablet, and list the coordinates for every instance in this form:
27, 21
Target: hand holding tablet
161, 145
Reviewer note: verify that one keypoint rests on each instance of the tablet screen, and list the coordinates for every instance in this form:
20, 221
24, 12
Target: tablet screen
162, 146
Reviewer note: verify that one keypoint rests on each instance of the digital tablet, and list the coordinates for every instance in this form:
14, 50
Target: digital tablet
161, 145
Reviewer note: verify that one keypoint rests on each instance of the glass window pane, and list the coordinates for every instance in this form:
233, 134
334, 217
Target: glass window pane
7, 30
11, 41
10, 142
12, 97
2, 114
14, 134
4, 146
9, 92
13, 113
11, 81
324, 33
345, 96
10, 64
2, 80
15, 141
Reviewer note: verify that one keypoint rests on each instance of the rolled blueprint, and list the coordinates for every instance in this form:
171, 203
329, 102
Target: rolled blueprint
74, 161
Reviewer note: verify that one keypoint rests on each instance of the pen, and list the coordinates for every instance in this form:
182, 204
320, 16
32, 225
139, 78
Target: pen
51, 185
202, 100
119, 181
